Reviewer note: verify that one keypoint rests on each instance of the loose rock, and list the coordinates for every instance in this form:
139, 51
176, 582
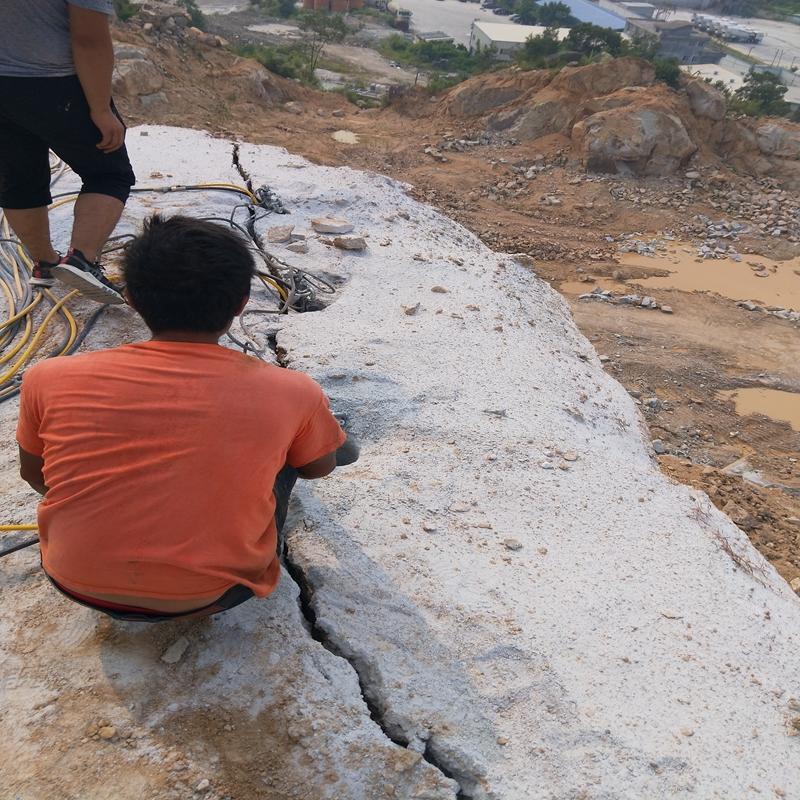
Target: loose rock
174, 653
331, 225
280, 233
350, 242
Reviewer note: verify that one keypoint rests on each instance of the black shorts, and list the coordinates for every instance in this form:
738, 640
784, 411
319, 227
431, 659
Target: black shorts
41, 114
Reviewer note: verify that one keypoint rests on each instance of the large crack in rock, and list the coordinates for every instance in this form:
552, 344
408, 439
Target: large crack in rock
371, 692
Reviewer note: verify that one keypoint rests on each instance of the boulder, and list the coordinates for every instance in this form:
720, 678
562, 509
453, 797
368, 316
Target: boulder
153, 100
133, 78
259, 84
705, 100
489, 91
604, 78
627, 141
780, 139
622, 97
549, 112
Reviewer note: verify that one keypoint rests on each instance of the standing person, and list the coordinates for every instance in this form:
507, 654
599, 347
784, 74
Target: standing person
166, 465
56, 64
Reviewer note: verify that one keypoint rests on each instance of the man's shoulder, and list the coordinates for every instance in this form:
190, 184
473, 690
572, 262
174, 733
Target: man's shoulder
287, 379
53, 368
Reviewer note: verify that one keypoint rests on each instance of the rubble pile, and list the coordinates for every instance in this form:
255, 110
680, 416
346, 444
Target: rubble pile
639, 301
164, 20
772, 211
621, 121
474, 139
774, 311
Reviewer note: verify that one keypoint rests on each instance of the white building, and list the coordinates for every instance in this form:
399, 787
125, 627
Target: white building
505, 38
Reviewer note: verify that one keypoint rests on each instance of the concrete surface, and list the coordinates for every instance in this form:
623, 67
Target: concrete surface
524, 598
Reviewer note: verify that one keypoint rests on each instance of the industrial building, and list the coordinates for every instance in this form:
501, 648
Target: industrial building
676, 39
584, 11
644, 10
505, 38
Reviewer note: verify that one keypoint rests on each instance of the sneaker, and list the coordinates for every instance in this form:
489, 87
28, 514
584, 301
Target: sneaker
77, 272
42, 274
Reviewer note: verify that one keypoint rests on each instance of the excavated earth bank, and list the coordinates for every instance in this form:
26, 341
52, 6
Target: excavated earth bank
503, 599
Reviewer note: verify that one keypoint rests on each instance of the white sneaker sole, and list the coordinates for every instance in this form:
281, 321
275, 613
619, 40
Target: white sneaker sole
86, 284
44, 283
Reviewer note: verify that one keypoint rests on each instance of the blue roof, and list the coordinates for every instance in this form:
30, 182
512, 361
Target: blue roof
584, 11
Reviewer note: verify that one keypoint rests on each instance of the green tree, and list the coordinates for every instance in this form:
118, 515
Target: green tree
589, 40
526, 12
762, 94
124, 9
195, 14
556, 15
537, 48
321, 28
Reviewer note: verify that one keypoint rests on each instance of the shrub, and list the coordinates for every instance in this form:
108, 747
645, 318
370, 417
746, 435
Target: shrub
124, 9
668, 70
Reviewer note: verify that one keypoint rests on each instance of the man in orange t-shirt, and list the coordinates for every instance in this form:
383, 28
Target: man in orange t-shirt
158, 460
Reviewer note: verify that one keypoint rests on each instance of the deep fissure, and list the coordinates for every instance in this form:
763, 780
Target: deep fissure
375, 712
305, 591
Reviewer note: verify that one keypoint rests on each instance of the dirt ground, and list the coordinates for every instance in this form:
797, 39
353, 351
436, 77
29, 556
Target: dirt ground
675, 364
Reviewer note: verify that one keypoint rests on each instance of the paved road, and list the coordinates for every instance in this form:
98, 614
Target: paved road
451, 16
781, 45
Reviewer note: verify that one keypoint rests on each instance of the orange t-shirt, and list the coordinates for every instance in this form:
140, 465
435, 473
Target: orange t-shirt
160, 459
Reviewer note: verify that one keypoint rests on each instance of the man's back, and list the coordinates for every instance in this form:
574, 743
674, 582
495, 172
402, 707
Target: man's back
160, 459
34, 36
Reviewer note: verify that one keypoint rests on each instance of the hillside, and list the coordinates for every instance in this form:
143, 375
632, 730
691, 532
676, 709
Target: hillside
504, 598
569, 278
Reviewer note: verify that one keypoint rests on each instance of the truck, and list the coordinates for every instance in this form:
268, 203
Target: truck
727, 29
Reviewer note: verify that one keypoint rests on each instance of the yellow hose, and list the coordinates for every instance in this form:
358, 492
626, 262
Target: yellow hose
10, 373
19, 528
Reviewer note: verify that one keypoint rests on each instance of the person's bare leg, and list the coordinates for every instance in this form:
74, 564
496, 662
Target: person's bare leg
96, 216
32, 227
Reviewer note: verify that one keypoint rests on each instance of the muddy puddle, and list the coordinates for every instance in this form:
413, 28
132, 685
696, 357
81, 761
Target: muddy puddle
346, 137
768, 282
772, 403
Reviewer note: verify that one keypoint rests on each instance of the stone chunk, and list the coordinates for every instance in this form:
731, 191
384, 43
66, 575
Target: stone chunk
280, 233
350, 242
174, 653
331, 225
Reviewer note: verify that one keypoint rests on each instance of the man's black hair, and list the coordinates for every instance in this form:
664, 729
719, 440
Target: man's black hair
185, 274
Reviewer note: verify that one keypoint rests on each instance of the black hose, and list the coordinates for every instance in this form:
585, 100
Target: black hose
19, 546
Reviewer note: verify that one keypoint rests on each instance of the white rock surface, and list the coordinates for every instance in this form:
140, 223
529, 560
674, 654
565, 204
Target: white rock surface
635, 646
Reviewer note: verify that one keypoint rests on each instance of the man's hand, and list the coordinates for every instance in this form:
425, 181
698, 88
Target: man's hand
111, 129
93, 54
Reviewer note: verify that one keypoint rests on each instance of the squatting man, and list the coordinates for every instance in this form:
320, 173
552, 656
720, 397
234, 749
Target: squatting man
166, 465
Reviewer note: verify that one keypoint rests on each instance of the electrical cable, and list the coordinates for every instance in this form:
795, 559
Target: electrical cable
21, 335
18, 546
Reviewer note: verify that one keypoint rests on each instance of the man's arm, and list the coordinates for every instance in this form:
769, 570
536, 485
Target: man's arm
93, 54
30, 470
319, 468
